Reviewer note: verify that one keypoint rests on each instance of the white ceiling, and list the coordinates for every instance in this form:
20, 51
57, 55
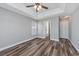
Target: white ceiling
53, 9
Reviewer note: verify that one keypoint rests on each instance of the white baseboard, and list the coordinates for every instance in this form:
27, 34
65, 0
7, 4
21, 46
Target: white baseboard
41, 36
1, 49
54, 39
74, 45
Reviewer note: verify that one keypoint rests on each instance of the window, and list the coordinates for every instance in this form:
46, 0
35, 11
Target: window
34, 28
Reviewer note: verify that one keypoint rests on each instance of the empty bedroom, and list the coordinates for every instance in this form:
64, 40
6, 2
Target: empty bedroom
39, 29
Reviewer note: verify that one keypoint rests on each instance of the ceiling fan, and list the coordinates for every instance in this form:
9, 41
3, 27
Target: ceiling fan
38, 6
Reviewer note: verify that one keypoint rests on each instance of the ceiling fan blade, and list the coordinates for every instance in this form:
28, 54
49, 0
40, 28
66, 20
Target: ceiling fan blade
30, 6
44, 7
37, 3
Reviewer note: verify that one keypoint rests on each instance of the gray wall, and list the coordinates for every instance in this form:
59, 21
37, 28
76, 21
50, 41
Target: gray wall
13, 28
75, 29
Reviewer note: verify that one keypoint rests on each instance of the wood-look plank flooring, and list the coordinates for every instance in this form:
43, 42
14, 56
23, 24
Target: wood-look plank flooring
42, 47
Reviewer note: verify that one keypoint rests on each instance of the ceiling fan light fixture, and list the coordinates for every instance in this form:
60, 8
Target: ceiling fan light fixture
40, 7
35, 6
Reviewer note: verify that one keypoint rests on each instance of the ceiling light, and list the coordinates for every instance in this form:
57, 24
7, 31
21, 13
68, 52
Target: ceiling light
39, 7
35, 6
66, 16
